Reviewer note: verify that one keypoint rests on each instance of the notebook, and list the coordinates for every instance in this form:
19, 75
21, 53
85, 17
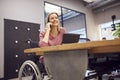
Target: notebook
70, 38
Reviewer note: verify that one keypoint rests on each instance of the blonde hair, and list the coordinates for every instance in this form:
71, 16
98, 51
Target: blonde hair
47, 19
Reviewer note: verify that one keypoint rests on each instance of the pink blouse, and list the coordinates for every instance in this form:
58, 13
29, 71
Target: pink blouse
52, 40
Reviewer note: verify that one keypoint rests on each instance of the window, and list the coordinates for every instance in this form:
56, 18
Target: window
106, 30
72, 20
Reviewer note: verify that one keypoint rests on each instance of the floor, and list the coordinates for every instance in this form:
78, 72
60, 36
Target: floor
104, 78
45, 78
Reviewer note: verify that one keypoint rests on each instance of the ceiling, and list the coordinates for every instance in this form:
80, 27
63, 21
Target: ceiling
98, 5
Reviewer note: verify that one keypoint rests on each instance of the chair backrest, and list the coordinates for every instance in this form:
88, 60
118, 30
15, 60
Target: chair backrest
66, 65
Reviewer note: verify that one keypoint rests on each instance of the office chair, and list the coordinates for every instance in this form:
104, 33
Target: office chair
100, 64
104, 64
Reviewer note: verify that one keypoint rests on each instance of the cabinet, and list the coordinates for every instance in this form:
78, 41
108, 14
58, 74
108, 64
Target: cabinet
16, 38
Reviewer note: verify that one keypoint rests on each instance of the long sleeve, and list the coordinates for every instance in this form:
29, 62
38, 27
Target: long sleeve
52, 40
41, 42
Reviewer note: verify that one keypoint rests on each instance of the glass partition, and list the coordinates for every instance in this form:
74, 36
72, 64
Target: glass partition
72, 20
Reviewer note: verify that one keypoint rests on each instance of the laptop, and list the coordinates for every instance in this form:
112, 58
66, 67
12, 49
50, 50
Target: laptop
70, 38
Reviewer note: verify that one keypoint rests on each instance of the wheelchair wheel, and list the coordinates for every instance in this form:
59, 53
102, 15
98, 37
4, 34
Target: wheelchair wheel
29, 71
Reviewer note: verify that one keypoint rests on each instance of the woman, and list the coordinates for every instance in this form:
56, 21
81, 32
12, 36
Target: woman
52, 36
53, 33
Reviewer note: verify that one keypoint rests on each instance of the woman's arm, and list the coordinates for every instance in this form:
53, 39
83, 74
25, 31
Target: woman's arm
46, 37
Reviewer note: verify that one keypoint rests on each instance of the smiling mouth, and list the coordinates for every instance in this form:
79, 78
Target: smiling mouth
55, 23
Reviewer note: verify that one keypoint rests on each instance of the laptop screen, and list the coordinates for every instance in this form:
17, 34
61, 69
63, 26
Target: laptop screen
70, 38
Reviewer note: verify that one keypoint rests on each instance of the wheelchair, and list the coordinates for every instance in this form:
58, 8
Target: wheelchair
30, 69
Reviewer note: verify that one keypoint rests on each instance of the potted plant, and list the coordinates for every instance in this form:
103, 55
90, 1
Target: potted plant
116, 33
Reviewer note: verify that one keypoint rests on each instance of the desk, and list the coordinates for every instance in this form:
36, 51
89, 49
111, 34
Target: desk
69, 61
102, 46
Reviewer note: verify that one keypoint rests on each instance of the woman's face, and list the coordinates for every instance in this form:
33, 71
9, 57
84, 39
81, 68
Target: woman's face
53, 18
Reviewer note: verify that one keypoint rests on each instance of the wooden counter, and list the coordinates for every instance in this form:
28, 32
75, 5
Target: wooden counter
102, 46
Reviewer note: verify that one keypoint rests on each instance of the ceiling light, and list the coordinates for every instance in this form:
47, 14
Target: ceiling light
52, 8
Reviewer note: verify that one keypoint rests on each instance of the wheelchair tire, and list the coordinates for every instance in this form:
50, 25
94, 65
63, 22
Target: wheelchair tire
29, 70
